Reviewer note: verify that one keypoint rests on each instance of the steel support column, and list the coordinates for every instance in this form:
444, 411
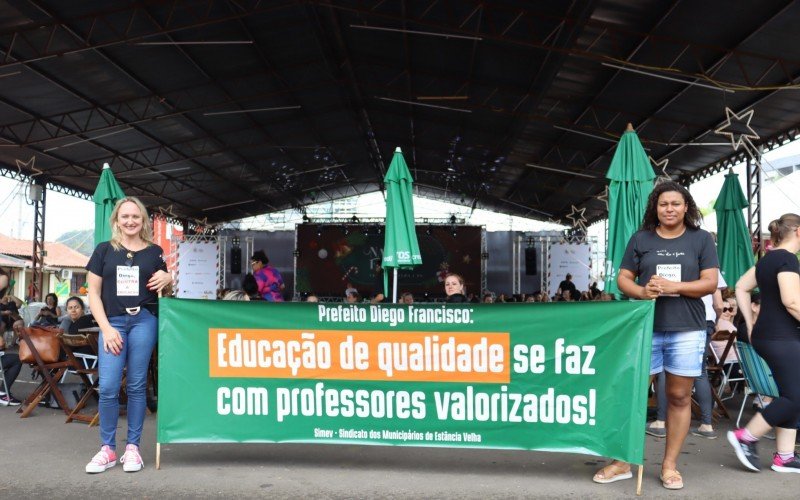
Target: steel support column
754, 180
38, 194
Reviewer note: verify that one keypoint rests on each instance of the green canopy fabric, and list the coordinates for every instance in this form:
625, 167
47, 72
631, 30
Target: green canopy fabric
733, 238
105, 197
400, 246
631, 177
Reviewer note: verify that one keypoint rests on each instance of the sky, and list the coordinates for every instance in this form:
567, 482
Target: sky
66, 213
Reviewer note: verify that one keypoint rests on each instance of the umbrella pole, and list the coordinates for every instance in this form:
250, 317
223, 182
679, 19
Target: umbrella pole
394, 287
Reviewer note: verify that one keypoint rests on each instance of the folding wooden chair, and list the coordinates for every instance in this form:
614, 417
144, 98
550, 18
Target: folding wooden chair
759, 381
86, 370
51, 373
724, 364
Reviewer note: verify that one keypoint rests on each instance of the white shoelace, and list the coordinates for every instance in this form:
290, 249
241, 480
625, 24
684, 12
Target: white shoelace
135, 457
101, 458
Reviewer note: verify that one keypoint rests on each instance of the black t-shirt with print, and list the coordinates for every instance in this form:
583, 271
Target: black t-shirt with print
774, 321
112, 264
677, 259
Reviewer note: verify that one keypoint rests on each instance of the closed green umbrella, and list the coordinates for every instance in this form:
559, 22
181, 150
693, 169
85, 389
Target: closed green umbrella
631, 177
105, 197
733, 238
400, 246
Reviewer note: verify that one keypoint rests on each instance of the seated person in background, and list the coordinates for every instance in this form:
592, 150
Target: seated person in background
488, 298
250, 287
407, 298
353, 298
454, 289
567, 284
755, 307
376, 298
312, 298
239, 295
49, 313
222, 292
11, 368
75, 320
594, 290
9, 314
350, 289
75, 310
725, 320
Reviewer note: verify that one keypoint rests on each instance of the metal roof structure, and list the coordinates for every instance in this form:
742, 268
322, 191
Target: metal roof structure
222, 109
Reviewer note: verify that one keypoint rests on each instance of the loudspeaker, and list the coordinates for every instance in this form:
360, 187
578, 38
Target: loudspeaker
236, 260
530, 261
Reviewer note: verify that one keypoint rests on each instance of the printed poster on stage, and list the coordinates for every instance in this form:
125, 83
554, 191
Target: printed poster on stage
569, 258
198, 270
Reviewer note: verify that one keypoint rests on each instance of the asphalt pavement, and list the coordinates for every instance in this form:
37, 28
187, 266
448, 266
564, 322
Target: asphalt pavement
42, 457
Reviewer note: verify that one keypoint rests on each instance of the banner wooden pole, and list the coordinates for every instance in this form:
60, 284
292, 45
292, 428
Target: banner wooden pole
638, 481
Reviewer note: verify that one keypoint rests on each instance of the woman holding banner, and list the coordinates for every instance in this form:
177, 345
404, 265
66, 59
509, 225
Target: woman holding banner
674, 262
775, 335
125, 276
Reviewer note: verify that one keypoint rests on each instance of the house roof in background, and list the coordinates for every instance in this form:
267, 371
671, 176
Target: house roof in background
58, 254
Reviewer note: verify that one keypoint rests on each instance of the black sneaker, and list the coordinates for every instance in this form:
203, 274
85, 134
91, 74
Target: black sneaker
745, 452
6, 400
779, 465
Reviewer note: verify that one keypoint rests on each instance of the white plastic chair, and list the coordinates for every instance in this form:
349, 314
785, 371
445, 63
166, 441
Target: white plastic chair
30, 311
89, 362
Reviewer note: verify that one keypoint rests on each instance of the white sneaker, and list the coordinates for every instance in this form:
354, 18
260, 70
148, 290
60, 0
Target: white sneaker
131, 461
102, 461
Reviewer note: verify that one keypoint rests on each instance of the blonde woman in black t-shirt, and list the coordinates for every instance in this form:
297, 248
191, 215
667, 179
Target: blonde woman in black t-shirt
125, 276
775, 335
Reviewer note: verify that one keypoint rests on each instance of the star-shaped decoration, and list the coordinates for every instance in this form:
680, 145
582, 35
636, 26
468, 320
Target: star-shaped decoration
166, 212
29, 165
555, 221
603, 197
733, 126
661, 169
577, 217
202, 222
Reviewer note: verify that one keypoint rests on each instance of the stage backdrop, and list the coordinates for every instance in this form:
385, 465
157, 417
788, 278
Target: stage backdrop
328, 258
486, 376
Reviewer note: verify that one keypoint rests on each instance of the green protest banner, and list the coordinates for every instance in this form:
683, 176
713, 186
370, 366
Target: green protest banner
568, 377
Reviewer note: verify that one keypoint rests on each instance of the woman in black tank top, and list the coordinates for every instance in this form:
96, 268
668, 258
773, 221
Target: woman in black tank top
776, 338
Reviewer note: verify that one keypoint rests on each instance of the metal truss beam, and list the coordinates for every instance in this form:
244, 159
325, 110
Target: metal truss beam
130, 24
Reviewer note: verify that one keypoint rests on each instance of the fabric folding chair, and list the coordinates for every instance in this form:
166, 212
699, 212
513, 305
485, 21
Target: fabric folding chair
759, 381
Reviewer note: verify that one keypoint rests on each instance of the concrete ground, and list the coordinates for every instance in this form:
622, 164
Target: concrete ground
42, 457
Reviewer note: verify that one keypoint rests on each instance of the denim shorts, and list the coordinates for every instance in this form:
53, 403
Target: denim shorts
679, 353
